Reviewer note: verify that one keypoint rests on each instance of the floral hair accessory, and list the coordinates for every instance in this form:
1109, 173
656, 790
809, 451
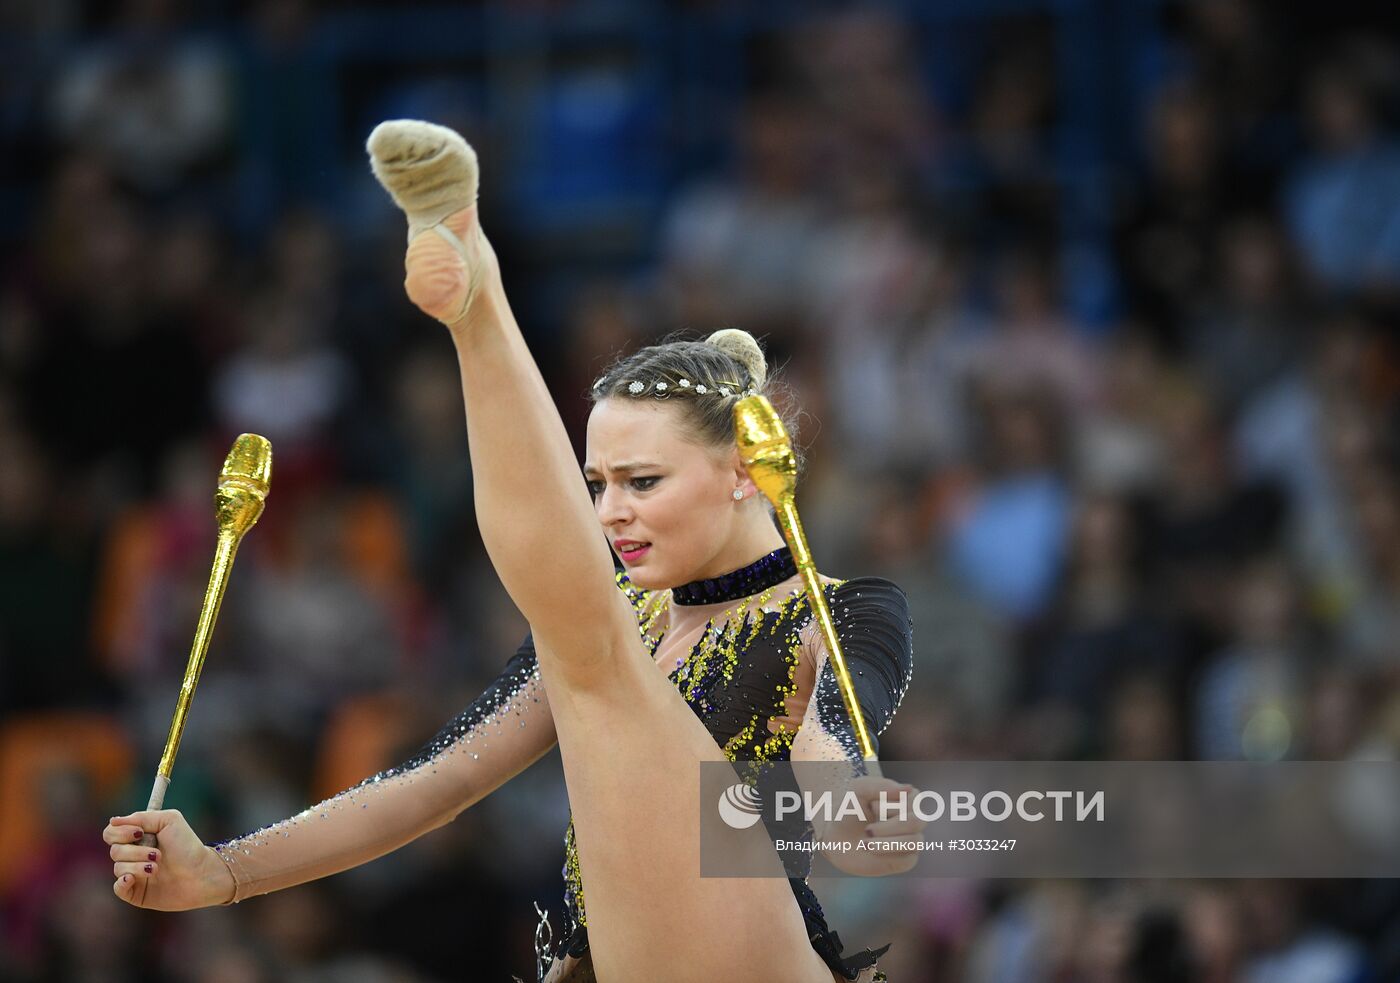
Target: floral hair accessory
661, 388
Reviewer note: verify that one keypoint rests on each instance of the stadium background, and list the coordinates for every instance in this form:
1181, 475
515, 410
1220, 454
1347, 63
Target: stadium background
1090, 306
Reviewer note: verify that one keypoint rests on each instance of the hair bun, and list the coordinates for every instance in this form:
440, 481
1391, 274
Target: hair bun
741, 346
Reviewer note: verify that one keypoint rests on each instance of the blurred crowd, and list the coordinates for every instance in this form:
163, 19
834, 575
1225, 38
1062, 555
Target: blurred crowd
1089, 309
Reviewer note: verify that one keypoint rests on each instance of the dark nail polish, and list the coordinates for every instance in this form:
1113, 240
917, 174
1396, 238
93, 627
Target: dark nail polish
139, 834
149, 868
151, 855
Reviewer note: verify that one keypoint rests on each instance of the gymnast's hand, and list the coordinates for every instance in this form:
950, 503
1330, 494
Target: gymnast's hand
177, 874
877, 833
431, 173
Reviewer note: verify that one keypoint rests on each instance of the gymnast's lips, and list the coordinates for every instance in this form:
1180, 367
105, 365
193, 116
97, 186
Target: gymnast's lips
631, 549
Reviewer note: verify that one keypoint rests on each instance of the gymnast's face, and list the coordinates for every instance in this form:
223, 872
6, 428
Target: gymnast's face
665, 502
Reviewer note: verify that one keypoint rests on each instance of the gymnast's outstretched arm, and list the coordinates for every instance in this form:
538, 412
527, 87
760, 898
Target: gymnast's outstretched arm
502, 733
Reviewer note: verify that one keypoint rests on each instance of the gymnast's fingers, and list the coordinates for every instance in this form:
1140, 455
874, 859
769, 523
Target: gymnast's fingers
890, 807
895, 829
881, 798
135, 853
121, 832
131, 888
149, 820
138, 870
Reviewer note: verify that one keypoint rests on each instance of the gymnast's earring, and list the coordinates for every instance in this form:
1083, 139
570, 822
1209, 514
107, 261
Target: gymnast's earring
738, 494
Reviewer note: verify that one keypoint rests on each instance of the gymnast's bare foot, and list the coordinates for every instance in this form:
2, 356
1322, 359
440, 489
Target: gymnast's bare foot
432, 174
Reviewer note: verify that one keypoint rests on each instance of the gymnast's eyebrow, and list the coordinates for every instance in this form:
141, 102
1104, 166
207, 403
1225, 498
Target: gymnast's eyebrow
628, 466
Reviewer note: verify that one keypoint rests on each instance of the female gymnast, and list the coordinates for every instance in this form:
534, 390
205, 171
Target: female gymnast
708, 594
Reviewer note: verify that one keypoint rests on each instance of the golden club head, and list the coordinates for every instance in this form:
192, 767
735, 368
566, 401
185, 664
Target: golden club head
243, 484
765, 448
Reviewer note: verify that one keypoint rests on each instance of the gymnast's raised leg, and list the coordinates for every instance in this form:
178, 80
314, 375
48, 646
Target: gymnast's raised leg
630, 745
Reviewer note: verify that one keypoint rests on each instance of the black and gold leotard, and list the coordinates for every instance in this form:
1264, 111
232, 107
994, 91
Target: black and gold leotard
738, 678
740, 674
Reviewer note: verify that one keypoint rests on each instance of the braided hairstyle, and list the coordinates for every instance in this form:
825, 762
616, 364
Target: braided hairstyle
703, 379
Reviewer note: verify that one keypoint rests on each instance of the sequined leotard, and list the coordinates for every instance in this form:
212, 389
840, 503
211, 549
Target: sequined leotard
739, 678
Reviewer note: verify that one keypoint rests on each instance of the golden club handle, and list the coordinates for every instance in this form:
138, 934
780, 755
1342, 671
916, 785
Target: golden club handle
766, 450
238, 503
224, 553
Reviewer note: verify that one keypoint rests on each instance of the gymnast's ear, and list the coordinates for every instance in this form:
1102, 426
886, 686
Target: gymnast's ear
742, 481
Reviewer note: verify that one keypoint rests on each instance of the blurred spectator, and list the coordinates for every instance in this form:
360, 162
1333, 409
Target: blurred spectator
1338, 717
1239, 50
1167, 225
965, 678
1009, 130
1250, 335
1007, 538
1119, 447
151, 100
432, 470
287, 384
313, 621
106, 341
1214, 927
1205, 519
156, 557
1032, 344
45, 584
1286, 948
867, 300
1314, 435
1250, 699
606, 319
743, 241
860, 72
1372, 628
1341, 201
1106, 651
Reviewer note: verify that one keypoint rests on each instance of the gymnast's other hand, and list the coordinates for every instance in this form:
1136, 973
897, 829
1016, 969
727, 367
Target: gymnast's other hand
176, 874
887, 843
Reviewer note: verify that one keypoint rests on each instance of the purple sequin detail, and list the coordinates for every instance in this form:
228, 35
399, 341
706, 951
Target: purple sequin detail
772, 569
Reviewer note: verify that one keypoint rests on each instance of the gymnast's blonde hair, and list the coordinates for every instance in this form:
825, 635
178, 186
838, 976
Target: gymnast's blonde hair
703, 379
